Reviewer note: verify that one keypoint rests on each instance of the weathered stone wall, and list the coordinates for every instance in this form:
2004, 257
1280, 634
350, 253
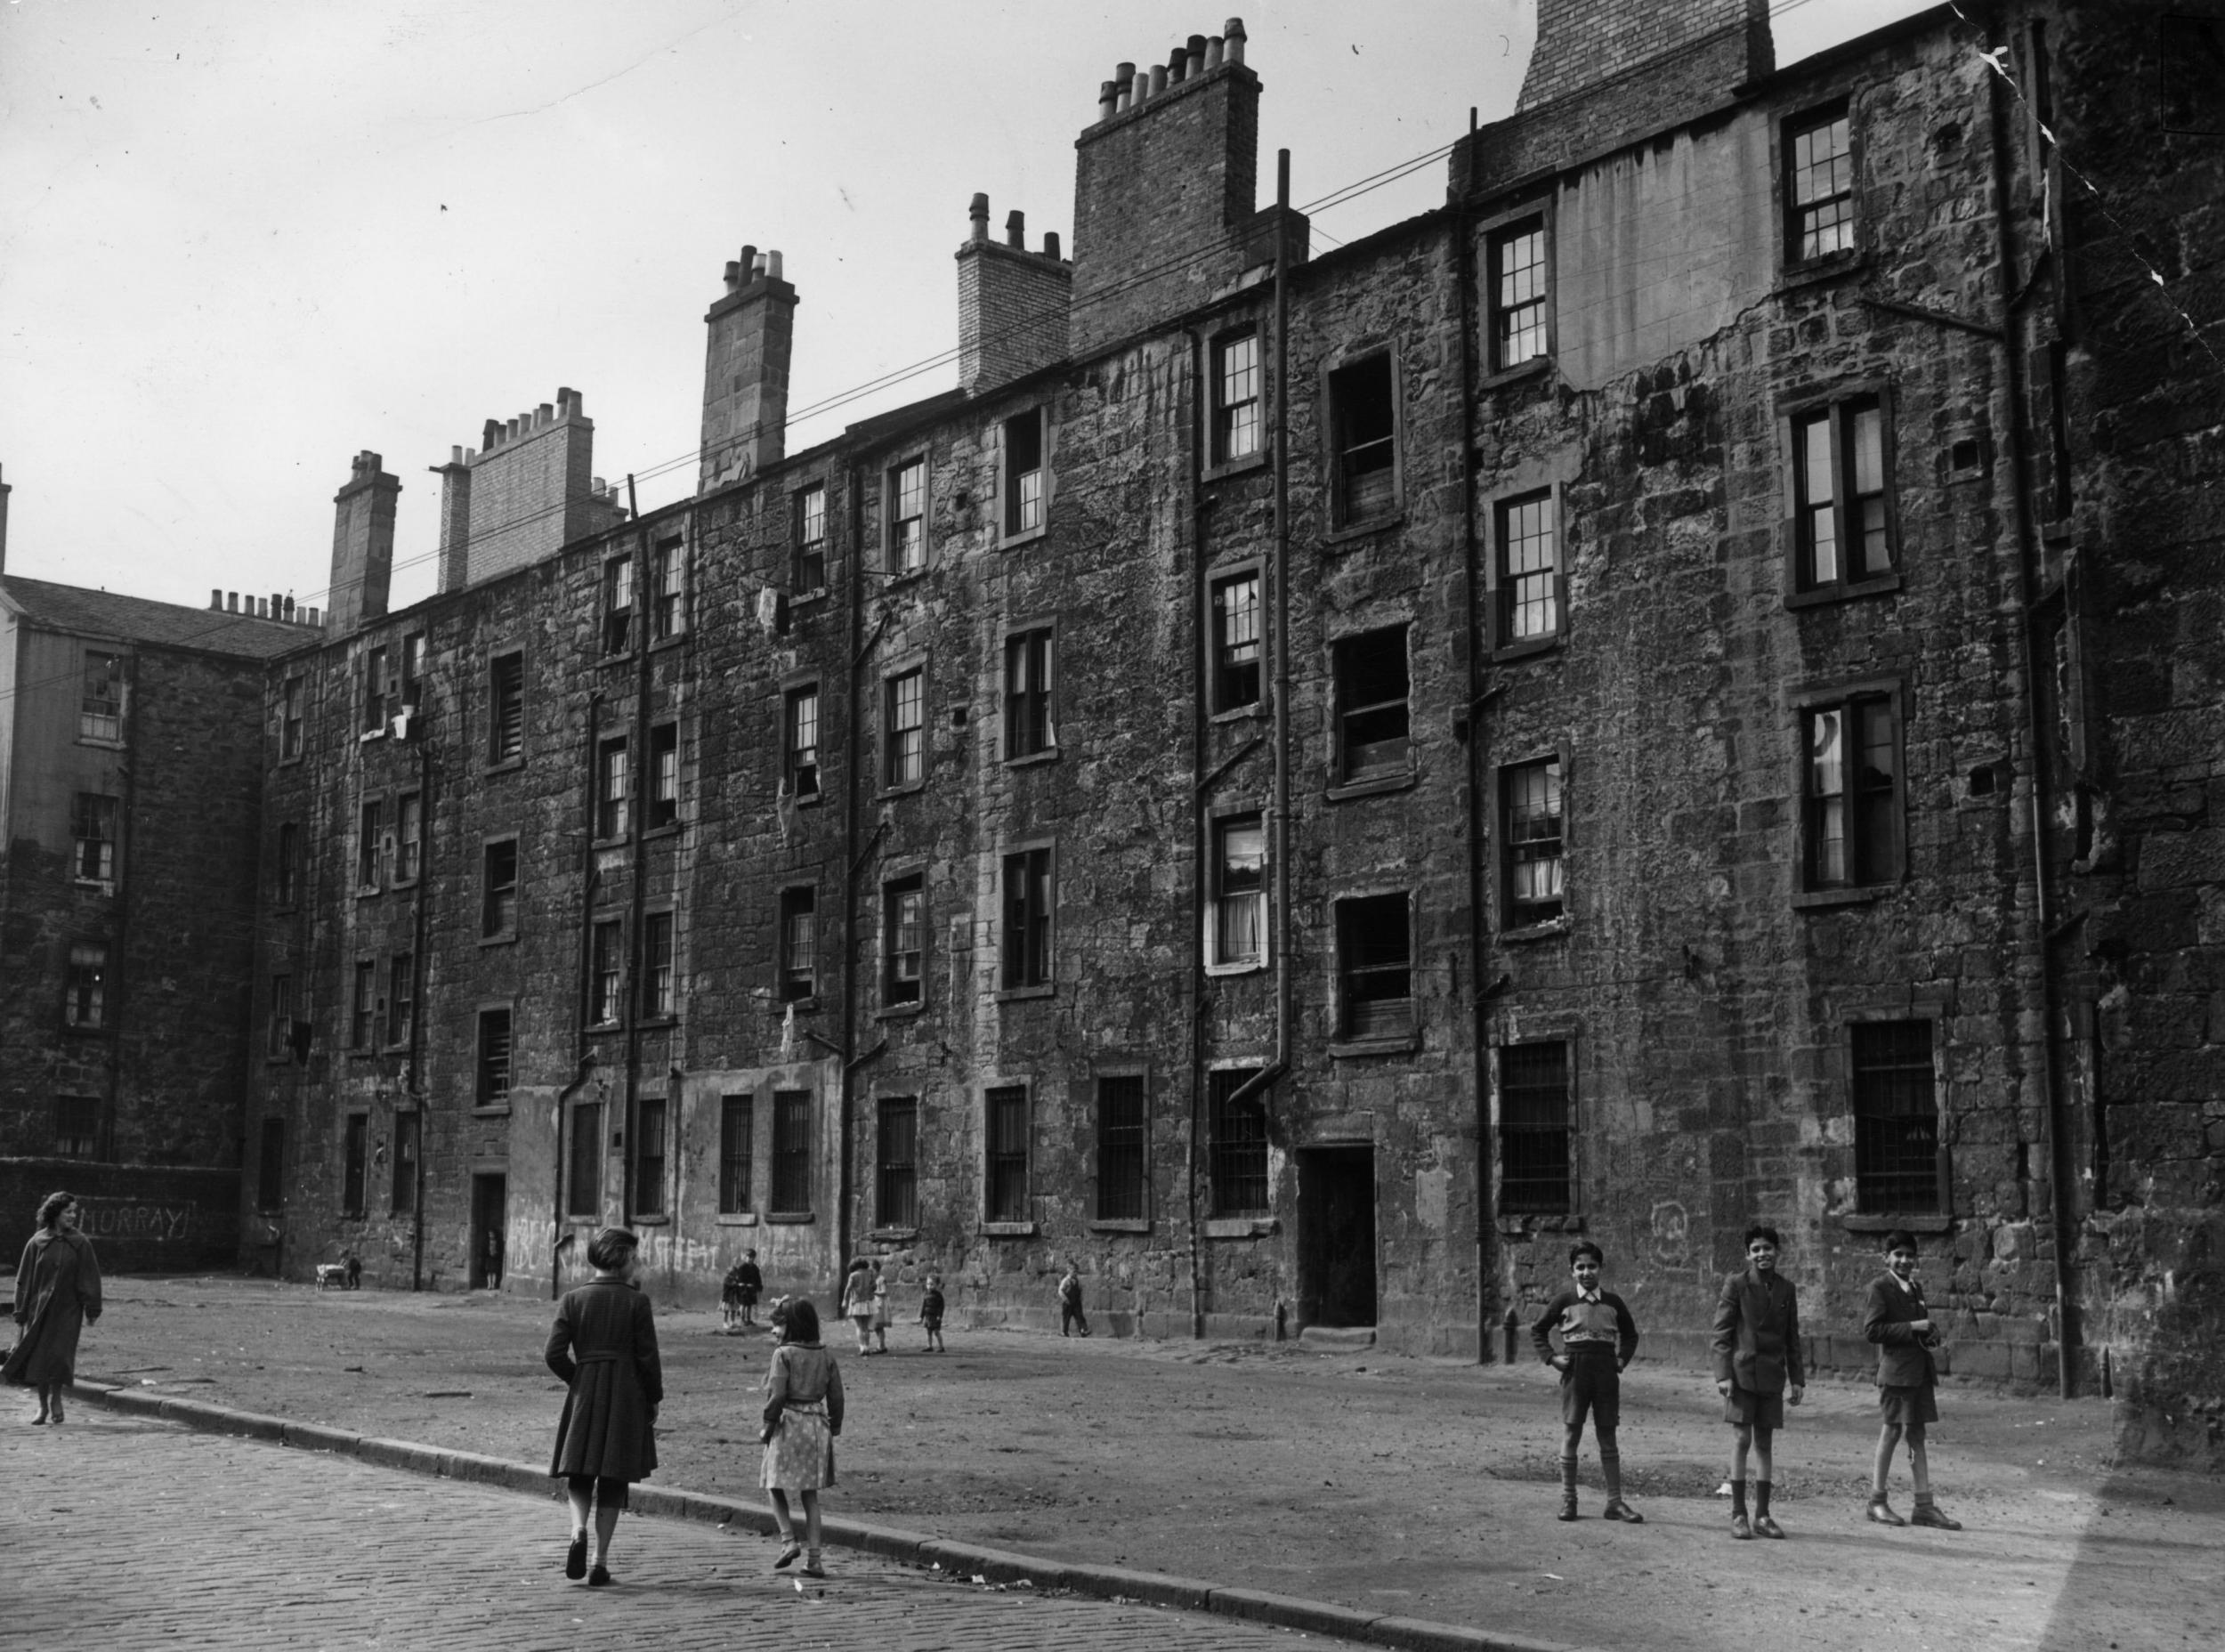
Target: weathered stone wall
141, 1219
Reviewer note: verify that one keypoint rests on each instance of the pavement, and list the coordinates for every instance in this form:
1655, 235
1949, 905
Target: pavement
133, 1531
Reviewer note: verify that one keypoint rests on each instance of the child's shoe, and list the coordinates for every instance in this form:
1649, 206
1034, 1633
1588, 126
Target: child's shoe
1568, 1507
1764, 1526
790, 1549
1617, 1510
1881, 1512
1740, 1527
811, 1568
1927, 1513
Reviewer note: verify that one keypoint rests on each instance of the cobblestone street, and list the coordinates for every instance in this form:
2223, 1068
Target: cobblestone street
126, 1533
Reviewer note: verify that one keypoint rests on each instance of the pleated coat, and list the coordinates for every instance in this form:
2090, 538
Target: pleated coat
604, 1345
57, 1294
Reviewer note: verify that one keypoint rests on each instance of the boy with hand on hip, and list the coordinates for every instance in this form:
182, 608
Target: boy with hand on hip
1597, 1337
1897, 1320
1758, 1371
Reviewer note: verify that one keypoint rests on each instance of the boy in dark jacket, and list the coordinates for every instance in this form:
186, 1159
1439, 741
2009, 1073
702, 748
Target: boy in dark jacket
1757, 1371
1897, 1320
1597, 1337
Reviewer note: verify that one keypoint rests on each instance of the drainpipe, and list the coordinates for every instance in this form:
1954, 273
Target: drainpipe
1201, 829
1464, 277
2043, 920
413, 1084
112, 997
852, 742
636, 850
583, 1051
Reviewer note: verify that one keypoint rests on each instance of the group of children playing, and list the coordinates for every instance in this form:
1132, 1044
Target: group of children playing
1757, 1371
864, 1303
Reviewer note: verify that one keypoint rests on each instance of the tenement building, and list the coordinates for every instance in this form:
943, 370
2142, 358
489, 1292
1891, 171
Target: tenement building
1677, 689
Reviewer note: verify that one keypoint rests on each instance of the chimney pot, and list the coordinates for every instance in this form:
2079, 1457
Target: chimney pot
1234, 34
1157, 78
1213, 51
733, 275
757, 270
749, 260
1050, 244
231, 602
773, 263
316, 618
1177, 66
978, 215
1108, 98
1124, 83
216, 601
1016, 229
1194, 50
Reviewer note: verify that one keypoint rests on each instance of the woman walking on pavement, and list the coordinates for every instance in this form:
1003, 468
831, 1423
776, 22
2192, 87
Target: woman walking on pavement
803, 1414
604, 1345
57, 1294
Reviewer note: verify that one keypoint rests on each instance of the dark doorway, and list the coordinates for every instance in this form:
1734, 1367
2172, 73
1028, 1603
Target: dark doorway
488, 1195
1336, 1237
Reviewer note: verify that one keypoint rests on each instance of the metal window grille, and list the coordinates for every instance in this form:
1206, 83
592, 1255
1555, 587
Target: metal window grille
896, 1190
584, 1183
1895, 1118
1007, 1108
1239, 1145
791, 1151
1535, 1130
649, 1156
737, 1152
1120, 1148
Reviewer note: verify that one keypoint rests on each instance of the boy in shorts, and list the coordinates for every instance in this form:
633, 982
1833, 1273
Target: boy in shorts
1897, 1320
1757, 1371
1597, 1337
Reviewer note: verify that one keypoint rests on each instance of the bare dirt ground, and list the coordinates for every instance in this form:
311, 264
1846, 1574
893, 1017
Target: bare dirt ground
1426, 1487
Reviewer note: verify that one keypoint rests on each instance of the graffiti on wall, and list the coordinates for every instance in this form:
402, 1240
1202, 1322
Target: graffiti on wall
108, 1219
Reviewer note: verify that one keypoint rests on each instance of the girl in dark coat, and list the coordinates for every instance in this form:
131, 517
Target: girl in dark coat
604, 1345
57, 1294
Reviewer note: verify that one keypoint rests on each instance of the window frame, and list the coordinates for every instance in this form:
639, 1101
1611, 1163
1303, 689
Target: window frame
895, 886
1030, 969
96, 828
794, 983
892, 751
614, 785
409, 1154
408, 862
505, 709
401, 1010
1339, 387
661, 807
410, 693
291, 724
737, 1153
606, 971
76, 1126
496, 899
668, 595
1008, 1182
1505, 1129
1135, 1180
892, 524
584, 1160
1838, 412
1517, 915
1503, 586
660, 965
1219, 960
1356, 1029
790, 1194
286, 890
1222, 409
489, 1064
103, 728
1810, 888
363, 1002
370, 856
371, 715
619, 602
808, 556
277, 1037
85, 987
1236, 1162
1879, 1191
1012, 528
1496, 233
1791, 129
355, 1165
1224, 665
794, 769
1031, 711
896, 1179
652, 1128
1344, 779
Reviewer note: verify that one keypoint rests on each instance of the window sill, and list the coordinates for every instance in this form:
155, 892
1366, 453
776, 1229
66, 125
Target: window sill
508, 766
624, 657
1242, 466
1536, 367
399, 884
1867, 1222
1528, 648
1006, 995
1523, 1225
903, 788
805, 800
114, 745
737, 1218
368, 735
277, 1059
97, 886
899, 1012
817, 594
1372, 786
1355, 532
788, 1218
807, 1005
904, 577
1396, 1044
604, 846
663, 1021
1248, 967
491, 1110
1240, 1226
1251, 712
1814, 272
1866, 895
1026, 536
1121, 1224
641, 1221
1029, 760
508, 937
893, 1236
671, 829
675, 640
1524, 934
1006, 1230
369, 891
1847, 591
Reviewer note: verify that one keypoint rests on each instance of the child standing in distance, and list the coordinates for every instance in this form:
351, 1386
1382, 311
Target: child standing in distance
803, 1414
1757, 1371
749, 1281
931, 1313
880, 1310
1597, 1337
1897, 1320
857, 1302
1070, 1312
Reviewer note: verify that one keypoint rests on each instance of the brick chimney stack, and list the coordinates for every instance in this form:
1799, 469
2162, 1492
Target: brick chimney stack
1581, 44
362, 544
1163, 188
745, 371
1012, 303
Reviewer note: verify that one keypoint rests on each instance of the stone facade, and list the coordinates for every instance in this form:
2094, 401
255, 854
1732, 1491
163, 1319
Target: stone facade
1676, 698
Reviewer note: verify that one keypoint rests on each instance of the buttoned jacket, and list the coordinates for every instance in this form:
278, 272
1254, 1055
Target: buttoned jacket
1887, 1320
1758, 1334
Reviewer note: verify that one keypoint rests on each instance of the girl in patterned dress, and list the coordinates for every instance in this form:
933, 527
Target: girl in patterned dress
803, 1414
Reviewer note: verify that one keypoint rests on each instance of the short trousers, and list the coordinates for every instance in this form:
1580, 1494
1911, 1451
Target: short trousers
933, 1321
607, 1494
1909, 1407
1745, 1408
1592, 1383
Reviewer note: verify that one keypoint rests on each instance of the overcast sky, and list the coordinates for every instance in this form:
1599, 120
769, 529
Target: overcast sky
242, 239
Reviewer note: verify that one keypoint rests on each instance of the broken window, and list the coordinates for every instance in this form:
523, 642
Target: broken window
93, 838
506, 711
1364, 427
1896, 1164
1375, 966
1819, 187
799, 944
1371, 710
1236, 642
1530, 796
1024, 473
1535, 1130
